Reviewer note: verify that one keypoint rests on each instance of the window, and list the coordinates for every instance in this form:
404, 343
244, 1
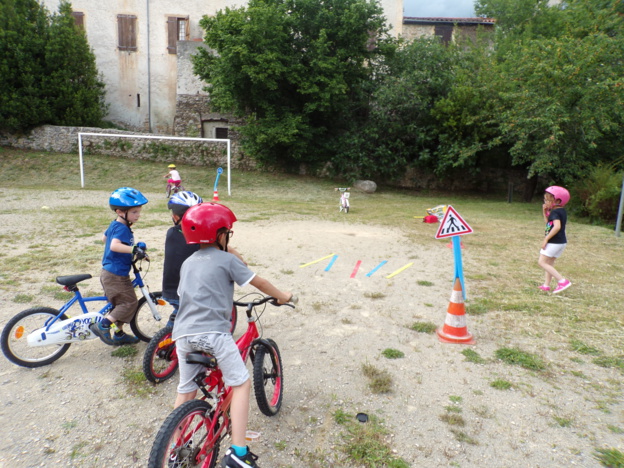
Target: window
444, 32
78, 19
221, 132
177, 30
126, 28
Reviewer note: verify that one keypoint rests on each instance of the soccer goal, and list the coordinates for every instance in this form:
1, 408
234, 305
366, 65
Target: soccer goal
154, 137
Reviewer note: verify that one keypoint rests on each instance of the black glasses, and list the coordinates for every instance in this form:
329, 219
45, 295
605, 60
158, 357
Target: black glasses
230, 234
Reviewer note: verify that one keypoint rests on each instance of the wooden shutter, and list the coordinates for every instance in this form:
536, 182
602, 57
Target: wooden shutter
172, 34
126, 29
78, 19
445, 32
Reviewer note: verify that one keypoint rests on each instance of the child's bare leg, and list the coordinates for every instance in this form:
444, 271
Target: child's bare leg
547, 264
184, 397
239, 412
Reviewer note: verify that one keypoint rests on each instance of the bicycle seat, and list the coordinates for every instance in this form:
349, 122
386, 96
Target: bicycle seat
205, 359
71, 280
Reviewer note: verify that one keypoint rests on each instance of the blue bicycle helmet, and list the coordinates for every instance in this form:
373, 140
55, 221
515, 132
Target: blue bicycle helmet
125, 198
182, 201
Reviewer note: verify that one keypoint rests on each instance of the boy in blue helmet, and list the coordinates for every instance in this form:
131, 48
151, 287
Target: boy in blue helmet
119, 249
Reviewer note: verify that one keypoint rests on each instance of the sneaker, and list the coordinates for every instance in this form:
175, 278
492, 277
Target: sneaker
562, 286
545, 288
119, 340
231, 460
104, 333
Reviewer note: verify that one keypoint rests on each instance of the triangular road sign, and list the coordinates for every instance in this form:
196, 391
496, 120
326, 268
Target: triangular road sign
452, 225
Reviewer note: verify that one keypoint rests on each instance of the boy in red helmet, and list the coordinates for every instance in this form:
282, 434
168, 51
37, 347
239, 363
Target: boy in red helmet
206, 294
555, 241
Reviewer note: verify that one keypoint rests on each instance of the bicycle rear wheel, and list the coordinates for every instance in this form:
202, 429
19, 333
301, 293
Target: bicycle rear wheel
14, 338
185, 438
143, 324
268, 378
160, 361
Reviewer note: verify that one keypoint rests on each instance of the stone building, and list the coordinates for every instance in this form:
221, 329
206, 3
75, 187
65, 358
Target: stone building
138, 45
448, 29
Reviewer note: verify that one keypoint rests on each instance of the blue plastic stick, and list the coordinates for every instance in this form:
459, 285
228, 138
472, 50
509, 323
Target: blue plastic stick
370, 273
459, 269
331, 262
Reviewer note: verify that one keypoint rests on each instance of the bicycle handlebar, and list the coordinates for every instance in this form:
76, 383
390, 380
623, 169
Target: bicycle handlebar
270, 299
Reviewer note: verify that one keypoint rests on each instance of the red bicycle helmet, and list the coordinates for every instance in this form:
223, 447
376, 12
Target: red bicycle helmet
201, 223
559, 193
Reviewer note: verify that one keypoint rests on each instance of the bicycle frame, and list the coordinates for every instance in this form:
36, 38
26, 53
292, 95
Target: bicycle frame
212, 386
74, 329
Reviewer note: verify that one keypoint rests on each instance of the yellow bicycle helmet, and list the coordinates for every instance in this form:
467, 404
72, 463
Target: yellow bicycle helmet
171, 166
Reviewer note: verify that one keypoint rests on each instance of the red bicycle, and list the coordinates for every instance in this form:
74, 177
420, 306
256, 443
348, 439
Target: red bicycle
192, 433
160, 361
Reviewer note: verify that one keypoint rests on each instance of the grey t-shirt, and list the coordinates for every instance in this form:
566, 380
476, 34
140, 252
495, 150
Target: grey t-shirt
206, 292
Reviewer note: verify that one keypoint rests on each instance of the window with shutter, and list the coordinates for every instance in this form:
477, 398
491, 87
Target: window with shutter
445, 32
221, 132
78, 19
177, 30
126, 29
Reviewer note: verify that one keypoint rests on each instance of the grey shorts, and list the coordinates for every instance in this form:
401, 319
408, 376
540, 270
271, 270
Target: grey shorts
221, 346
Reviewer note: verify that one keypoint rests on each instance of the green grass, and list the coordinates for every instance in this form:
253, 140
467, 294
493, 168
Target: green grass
582, 348
611, 458
520, 358
392, 353
380, 381
423, 327
472, 356
125, 351
366, 444
500, 384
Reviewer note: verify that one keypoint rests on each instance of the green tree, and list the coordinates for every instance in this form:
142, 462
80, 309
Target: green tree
549, 94
400, 131
47, 71
72, 80
298, 72
23, 35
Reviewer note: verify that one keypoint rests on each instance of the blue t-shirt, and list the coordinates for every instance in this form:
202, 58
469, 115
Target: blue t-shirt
207, 292
115, 262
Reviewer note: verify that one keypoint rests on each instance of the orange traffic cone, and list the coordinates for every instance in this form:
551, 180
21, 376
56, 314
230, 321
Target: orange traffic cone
215, 197
455, 329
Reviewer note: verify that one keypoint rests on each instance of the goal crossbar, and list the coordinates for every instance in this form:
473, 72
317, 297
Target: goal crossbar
153, 137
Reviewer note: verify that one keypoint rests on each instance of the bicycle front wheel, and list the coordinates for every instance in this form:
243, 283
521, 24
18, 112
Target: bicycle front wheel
143, 324
268, 378
185, 438
160, 361
14, 338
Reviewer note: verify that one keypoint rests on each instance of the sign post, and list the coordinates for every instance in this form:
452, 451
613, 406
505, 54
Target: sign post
453, 225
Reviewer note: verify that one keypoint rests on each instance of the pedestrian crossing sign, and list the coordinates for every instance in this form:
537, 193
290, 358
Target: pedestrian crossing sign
452, 225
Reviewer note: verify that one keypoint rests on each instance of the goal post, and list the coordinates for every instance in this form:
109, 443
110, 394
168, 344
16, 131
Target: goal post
155, 137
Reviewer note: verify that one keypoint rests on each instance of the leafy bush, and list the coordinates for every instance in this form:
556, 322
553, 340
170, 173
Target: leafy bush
598, 194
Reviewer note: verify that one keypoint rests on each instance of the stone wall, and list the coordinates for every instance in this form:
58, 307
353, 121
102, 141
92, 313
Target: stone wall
65, 140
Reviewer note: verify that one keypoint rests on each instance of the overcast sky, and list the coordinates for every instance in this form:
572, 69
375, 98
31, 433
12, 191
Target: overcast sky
439, 8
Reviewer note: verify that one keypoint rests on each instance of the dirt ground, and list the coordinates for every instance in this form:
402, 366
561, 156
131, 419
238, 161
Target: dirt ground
80, 410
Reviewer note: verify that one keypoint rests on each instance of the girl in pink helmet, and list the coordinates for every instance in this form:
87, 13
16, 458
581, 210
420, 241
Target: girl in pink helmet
555, 216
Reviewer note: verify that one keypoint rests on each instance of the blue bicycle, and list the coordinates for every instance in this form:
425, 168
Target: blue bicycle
39, 336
